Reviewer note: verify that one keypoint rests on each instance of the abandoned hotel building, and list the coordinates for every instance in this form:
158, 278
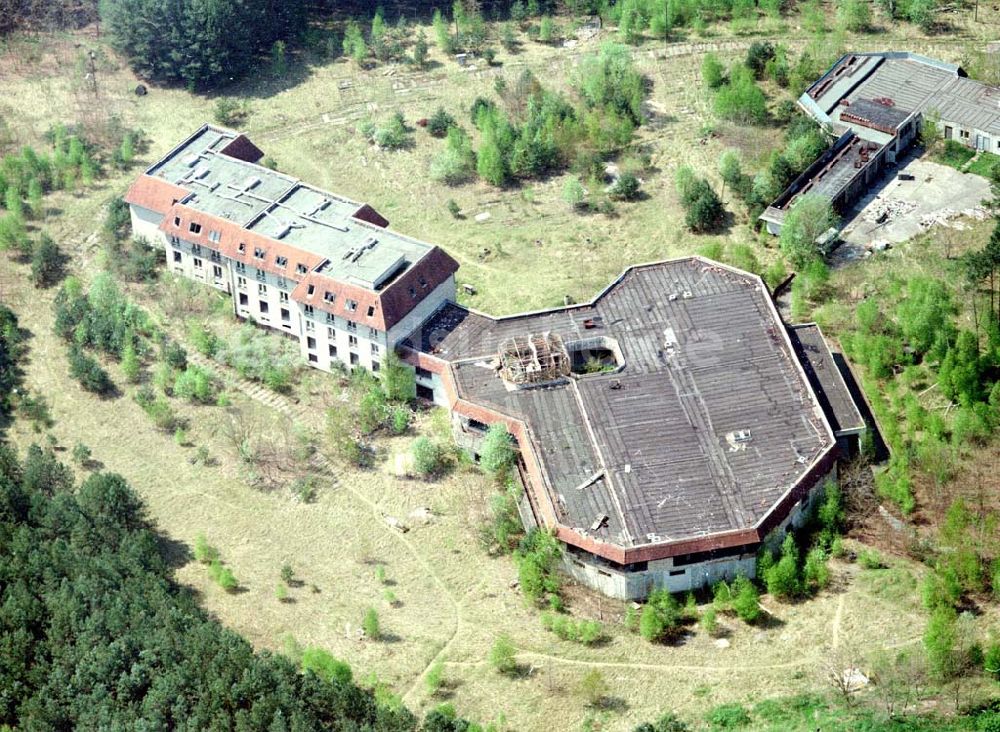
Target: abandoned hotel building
664, 429
875, 104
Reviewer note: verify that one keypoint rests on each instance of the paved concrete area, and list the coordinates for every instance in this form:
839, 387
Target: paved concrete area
898, 210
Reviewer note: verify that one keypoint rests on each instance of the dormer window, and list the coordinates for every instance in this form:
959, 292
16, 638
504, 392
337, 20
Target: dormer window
413, 292
371, 310
258, 253
195, 228
281, 261
423, 284
214, 236
311, 290
242, 248
328, 297
300, 268
351, 305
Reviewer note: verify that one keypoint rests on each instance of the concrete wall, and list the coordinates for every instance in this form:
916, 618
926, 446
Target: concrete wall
636, 585
146, 224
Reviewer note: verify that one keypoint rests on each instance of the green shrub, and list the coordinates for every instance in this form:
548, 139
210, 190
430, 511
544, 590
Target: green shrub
709, 622
223, 576
203, 339
203, 551
46, 262
782, 578
497, 455
503, 656
427, 456
745, 600
195, 385
370, 624
88, 372
81, 454
440, 122
326, 666
728, 716
661, 616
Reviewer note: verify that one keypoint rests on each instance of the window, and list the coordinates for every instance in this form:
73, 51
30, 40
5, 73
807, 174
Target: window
300, 268
196, 248
371, 310
262, 289
242, 248
217, 271
330, 319
423, 373
313, 358
372, 333
309, 310
240, 267
964, 134
328, 297
375, 349
311, 343
243, 299
333, 351
352, 340
177, 256
216, 257
375, 366
331, 334
194, 228
264, 308
197, 263
310, 326
285, 315
310, 290
241, 283
261, 275
214, 236
677, 572
258, 253
351, 325
281, 261
177, 221
281, 282
354, 359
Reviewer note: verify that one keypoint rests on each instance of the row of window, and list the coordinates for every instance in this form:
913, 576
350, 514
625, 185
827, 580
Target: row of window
258, 252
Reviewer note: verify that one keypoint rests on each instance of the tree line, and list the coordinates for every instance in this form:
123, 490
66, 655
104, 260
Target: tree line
96, 633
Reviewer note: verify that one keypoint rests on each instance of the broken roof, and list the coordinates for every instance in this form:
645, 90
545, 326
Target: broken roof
704, 429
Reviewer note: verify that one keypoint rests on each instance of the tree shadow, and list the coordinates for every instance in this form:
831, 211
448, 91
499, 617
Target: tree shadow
175, 553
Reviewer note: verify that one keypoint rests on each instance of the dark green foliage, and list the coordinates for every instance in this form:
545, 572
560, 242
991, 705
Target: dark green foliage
46, 262
745, 600
626, 187
782, 578
703, 209
740, 99
102, 318
713, 73
11, 350
92, 582
195, 43
398, 380
503, 656
88, 372
669, 722
440, 122
503, 529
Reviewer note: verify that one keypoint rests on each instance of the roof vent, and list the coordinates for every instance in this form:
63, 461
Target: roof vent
687, 294
251, 183
191, 160
283, 231
738, 440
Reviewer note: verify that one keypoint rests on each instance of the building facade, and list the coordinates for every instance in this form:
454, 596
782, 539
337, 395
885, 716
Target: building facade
318, 268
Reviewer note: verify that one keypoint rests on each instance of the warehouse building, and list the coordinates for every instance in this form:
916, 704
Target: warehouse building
875, 104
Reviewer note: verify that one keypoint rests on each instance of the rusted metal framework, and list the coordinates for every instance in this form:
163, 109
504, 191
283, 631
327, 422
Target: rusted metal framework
534, 358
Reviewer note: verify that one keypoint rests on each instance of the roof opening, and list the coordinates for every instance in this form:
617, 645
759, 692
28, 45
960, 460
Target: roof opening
533, 359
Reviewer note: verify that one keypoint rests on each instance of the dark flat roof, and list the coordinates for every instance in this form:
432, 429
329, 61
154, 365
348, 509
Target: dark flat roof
826, 379
706, 356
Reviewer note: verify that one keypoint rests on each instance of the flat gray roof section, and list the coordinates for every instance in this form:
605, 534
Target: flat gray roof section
826, 379
708, 424
283, 208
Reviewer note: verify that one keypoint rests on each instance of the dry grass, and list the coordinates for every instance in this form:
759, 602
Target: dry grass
455, 600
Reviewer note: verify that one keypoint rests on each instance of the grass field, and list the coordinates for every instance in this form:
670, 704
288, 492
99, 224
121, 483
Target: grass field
454, 600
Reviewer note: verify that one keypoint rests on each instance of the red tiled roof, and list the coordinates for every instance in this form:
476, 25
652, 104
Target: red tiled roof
154, 194
367, 213
405, 293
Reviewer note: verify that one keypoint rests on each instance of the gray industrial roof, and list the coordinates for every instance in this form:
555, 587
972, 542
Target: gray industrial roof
708, 424
826, 379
